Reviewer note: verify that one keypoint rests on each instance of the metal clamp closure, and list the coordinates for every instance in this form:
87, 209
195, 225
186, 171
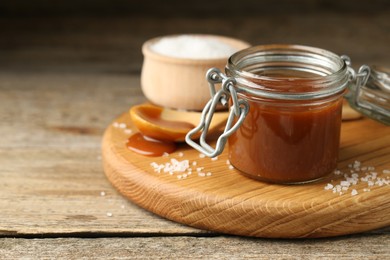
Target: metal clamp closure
239, 109
360, 79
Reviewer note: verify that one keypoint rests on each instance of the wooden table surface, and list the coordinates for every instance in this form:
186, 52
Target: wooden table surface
62, 81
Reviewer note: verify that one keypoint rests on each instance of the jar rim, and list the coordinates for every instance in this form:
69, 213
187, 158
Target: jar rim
327, 72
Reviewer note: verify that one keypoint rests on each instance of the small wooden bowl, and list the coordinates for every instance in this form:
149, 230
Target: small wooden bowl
180, 82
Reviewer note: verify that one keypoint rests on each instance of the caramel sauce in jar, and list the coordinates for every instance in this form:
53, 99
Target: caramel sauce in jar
288, 142
291, 133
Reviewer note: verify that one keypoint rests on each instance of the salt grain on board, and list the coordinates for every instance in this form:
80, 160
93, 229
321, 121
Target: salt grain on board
328, 187
199, 169
371, 179
127, 131
182, 168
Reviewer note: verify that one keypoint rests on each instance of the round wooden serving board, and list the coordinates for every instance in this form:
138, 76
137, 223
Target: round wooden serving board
230, 203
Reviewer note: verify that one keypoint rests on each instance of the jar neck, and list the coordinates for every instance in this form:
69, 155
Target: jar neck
291, 72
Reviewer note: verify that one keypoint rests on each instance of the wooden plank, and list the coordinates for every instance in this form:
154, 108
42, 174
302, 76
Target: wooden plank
58, 191
51, 172
62, 109
114, 45
177, 8
352, 247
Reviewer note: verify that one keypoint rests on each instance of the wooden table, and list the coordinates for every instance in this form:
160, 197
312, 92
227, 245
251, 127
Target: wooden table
62, 81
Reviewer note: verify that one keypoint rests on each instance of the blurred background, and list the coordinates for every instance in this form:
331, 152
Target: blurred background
105, 36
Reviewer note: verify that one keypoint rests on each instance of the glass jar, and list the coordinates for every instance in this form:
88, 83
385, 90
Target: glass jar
285, 119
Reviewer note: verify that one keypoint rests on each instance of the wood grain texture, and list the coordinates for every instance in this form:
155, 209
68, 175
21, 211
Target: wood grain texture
227, 202
51, 175
64, 78
181, 247
112, 45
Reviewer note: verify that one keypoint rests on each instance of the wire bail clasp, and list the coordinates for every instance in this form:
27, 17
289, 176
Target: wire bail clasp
358, 79
239, 109
369, 91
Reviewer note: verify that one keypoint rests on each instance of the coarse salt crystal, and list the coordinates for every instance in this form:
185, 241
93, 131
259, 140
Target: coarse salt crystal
102, 193
386, 171
328, 187
109, 214
354, 192
115, 124
231, 167
201, 174
128, 131
208, 174
194, 163
201, 155
165, 154
181, 154
173, 166
356, 164
122, 125
214, 158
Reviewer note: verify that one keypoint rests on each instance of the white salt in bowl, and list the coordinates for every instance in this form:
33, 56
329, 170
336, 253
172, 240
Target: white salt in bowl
174, 68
